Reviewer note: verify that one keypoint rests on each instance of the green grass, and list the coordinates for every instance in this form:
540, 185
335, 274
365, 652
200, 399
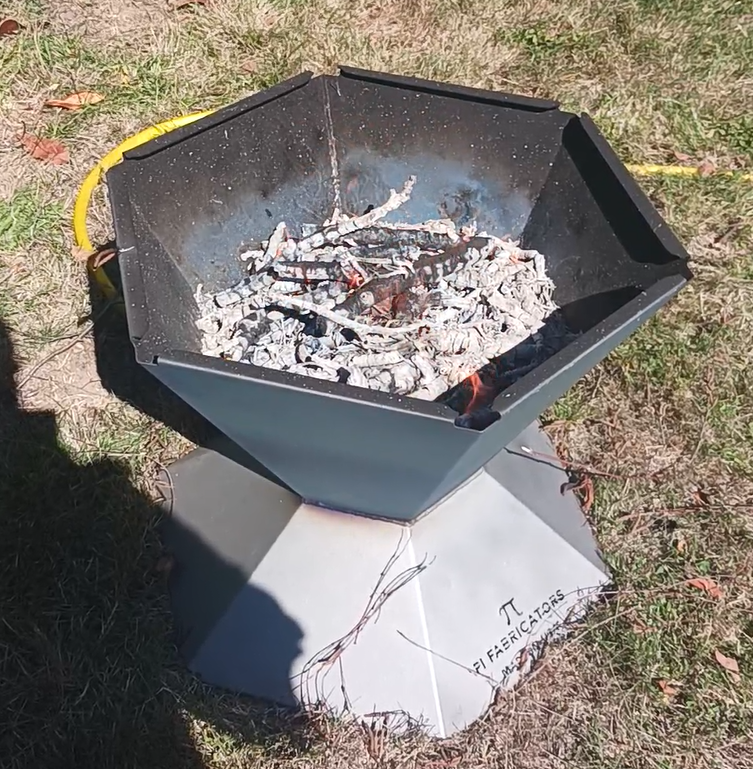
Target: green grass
88, 672
30, 218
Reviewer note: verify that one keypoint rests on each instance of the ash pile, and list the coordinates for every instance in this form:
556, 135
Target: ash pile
409, 309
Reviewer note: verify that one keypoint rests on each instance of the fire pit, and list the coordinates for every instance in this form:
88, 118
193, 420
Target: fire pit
372, 286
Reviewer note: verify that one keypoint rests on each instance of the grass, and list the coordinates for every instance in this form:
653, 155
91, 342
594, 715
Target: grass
88, 673
27, 219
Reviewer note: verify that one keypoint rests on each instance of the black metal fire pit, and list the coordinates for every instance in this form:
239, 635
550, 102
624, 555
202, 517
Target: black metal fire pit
266, 582
184, 202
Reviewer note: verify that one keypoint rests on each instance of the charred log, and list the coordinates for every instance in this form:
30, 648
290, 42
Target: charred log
425, 271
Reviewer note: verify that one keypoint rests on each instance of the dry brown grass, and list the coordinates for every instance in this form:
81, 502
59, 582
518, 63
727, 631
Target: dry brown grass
670, 410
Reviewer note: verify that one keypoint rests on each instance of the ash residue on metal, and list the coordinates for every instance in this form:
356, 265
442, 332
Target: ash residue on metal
410, 309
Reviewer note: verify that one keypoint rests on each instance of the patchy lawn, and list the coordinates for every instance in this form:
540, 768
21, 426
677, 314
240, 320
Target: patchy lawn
88, 674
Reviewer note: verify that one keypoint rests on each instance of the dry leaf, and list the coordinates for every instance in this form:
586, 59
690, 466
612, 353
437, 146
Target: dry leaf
184, 3
587, 490
9, 27
668, 688
639, 628
522, 658
700, 497
729, 664
250, 67
707, 585
682, 157
81, 254
584, 486
75, 100
681, 546
102, 257
706, 168
45, 149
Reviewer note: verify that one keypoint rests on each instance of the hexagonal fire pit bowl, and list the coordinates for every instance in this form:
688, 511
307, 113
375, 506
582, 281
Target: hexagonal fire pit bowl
358, 547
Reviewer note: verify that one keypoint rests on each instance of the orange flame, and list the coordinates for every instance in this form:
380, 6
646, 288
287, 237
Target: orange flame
481, 393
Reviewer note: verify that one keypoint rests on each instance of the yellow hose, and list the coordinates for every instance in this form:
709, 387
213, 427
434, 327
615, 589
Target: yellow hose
650, 169
83, 199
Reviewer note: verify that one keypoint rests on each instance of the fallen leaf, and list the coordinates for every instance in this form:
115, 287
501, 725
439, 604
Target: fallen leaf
681, 546
9, 27
102, 257
587, 490
523, 657
700, 497
706, 168
668, 688
184, 3
75, 100
707, 585
639, 628
81, 254
45, 149
682, 157
729, 664
250, 67
584, 486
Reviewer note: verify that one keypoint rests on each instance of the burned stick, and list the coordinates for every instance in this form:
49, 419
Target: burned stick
309, 271
349, 226
389, 237
426, 271
391, 254
341, 320
274, 247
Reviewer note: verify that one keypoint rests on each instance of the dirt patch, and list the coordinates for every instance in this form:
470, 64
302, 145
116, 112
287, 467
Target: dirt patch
65, 382
107, 20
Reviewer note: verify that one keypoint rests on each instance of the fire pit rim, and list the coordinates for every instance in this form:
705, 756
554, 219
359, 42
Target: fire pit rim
151, 347
661, 291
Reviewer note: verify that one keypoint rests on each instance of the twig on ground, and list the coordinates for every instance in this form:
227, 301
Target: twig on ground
589, 469
545, 661
76, 339
684, 509
316, 669
448, 659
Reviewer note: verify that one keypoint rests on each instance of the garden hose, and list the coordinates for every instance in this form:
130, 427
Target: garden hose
83, 199
650, 169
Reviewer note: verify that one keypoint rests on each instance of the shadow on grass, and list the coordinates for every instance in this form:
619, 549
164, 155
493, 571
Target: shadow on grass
89, 675
127, 380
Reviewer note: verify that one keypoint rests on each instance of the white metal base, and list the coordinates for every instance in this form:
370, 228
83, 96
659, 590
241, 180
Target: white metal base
281, 602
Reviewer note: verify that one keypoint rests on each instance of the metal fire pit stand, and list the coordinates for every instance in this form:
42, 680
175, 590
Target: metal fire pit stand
274, 594
466, 556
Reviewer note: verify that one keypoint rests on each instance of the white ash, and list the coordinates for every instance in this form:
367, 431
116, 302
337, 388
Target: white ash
410, 309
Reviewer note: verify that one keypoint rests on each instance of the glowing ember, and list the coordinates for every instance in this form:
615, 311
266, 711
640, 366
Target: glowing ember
356, 280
